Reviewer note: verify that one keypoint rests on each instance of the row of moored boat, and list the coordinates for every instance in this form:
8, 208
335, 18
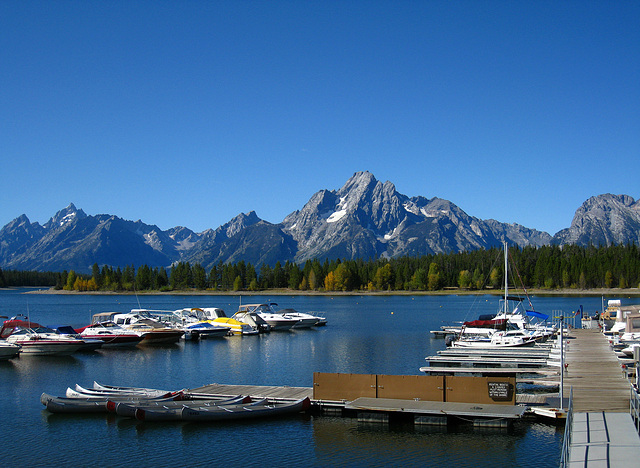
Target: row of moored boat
19, 335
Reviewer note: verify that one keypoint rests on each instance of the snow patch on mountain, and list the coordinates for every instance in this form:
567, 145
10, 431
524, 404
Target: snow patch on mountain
340, 213
336, 216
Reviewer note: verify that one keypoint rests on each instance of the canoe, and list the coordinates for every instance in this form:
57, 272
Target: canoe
128, 408
178, 395
158, 413
81, 392
112, 388
57, 404
139, 392
219, 413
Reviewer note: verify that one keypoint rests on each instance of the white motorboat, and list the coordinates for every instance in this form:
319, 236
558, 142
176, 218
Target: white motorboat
112, 335
37, 340
276, 320
629, 350
497, 340
304, 320
252, 319
8, 350
90, 344
142, 323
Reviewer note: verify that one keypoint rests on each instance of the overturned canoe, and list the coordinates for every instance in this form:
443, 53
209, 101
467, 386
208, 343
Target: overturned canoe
219, 413
56, 404
128, 408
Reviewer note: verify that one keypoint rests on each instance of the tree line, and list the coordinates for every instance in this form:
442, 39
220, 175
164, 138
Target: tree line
547, 267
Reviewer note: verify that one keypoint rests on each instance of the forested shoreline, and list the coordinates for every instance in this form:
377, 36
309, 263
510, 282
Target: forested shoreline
549, 268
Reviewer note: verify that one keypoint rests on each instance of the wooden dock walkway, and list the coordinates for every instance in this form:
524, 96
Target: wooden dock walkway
594, 372
602, 430
257, 391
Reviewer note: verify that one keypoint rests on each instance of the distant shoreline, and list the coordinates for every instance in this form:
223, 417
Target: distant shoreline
613, 292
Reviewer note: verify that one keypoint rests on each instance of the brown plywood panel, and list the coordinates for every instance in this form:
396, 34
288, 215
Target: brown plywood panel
411, 387
482, 390
348, 387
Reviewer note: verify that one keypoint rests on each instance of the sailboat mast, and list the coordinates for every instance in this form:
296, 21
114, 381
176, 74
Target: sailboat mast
506, 282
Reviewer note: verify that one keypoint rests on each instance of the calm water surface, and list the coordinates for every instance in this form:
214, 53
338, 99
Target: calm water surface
366, 334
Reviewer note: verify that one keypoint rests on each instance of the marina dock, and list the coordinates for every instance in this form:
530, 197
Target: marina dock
385, 398
537, 362
602, 431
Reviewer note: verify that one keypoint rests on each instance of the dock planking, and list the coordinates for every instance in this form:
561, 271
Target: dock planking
602, 430
595, 374
257, 391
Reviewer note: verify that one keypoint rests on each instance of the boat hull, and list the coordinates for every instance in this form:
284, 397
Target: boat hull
118, 341
8, 351
48, 348
161, 337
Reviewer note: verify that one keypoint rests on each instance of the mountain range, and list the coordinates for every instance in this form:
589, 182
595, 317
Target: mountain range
364, 219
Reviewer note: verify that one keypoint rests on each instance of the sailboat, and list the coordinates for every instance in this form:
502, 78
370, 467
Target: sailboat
517, 332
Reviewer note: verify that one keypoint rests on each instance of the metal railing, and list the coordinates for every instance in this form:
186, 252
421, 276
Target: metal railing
566, 441
634, 407
570, 321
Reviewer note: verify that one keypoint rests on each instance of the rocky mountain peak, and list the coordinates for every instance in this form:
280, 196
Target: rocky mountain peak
364, 218
65, 216
21, 222
603, 220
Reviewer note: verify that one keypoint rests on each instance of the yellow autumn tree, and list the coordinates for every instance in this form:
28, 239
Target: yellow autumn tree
330, 282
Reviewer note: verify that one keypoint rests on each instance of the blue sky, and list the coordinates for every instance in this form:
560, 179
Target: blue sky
188, 113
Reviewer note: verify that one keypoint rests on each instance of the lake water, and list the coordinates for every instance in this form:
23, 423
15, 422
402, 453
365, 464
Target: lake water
365, 335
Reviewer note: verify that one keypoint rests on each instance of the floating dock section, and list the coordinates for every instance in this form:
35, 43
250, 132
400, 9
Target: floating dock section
434, 413
420, 399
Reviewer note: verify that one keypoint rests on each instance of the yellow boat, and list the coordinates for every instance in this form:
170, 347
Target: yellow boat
217, 317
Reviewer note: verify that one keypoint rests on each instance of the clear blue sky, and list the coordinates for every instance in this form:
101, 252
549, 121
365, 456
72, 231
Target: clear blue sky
191, 112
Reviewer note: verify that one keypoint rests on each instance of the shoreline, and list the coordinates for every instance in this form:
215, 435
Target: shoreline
613, 292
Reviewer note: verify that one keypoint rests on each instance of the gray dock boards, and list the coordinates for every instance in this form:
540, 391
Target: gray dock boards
489, 370
595, 374
436, 408
604, 439
284, 393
